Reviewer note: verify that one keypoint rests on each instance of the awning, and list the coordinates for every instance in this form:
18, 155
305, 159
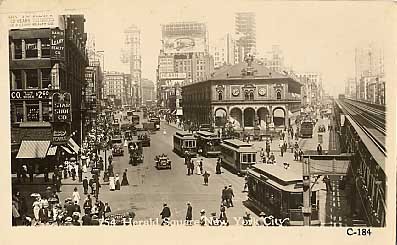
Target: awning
179, 112
73, 145
52, 151
33, 149
67, 149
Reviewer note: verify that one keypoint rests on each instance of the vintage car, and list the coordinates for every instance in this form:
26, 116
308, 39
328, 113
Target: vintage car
136, 152
117, 144
144, 137
162, 161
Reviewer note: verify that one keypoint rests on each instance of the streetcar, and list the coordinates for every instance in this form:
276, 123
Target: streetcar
237, 155
306, 129
185, 143
156, 122
208, 143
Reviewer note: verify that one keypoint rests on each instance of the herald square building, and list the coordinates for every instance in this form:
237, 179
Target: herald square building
247, 95
47, 61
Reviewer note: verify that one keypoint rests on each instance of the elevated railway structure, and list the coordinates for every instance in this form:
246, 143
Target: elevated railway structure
362, 132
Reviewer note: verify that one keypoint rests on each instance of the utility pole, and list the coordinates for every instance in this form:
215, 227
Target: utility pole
306, 209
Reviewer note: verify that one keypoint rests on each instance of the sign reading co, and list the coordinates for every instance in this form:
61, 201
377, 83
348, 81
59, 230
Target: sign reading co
57, 44
29, 95
61, 107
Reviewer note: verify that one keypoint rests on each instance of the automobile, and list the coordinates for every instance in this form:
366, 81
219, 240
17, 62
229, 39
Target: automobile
136, 152
205, 127
162, 162
321, 128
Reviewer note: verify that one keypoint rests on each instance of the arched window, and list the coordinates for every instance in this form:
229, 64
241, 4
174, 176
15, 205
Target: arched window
246, 95
220, 96
251, 95
278, 95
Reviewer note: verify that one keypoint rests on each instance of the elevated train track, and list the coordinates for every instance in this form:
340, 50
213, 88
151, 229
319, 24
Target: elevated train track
370, 118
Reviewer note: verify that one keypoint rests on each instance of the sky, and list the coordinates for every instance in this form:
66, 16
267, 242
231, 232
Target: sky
313, 36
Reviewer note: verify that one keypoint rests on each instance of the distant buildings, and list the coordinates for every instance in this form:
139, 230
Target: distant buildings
369, 71
350, 88
115, 88
184, 58
274, 59
148, 92
312, 88
224, 51
245, 32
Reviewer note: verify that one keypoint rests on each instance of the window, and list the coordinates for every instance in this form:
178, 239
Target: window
46, 112
31, 48
220, 95
18, 112
32, 80
17, 49
17, 83
33, 111
45, 77
45, 48
278, 95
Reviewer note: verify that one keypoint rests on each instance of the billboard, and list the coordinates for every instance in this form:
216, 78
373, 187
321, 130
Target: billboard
57, 44
35, 20
184, 44
172, 75
60, 133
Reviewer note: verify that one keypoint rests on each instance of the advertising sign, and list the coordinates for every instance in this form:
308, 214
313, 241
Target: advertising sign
35, 20
30, 95
61, 107
172, 75
57, 44
184, 44
60, 133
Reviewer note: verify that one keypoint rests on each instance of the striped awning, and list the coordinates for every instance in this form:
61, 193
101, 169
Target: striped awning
67, 149
73, 145
32, 149
52, 151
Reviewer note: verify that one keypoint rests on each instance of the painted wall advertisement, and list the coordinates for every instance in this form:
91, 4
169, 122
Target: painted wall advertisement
61, 107
36, 20
57, 44
60, 133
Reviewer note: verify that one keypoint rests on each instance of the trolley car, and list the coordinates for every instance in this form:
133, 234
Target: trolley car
306, 129
239, 156
208, 143
185, 142
136, 152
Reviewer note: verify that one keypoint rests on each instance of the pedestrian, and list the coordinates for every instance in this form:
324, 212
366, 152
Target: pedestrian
272, 159
203, 218
73, 172
300, 154
87, 206
91, 184
247, 220
230, 196
191, 167
206, 175
261, 220
80, 173
189, 214
214, 221
117, 182
245, 183
222, 215
112, 183
295, 155
218, 167
124, 181
36, 209
76, 207
268, 149
86, 218
165, 215
106, 210
201, 166
85, 185
76, 195
327, 182
224, 195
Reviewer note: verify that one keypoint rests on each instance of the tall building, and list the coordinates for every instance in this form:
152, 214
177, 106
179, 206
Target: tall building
115, 87
47, 61
131, 54
369, 71
224, 51
184, 58
148, 95
245, 31
313, 86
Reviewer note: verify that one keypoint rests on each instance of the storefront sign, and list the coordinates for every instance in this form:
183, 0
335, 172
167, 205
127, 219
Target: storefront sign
61, 107
60, 133
35, 20
57, 44
172, 75
30, 94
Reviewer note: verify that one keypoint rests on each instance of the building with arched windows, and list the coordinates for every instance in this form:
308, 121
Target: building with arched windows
246, 95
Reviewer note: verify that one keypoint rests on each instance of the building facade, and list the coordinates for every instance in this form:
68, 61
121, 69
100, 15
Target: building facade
224, 51
245, 95
148, 92
115, 87
47, 73
274, 59
245, 31
313, 87
350, 88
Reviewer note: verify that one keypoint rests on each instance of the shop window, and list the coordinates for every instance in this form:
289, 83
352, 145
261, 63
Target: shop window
33, 111
31, 48
32, 80
18, 112
17, 49
46, 111
17, 84
45, 78
45, 48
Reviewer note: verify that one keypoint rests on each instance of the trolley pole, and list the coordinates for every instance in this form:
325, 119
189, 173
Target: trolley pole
306, 209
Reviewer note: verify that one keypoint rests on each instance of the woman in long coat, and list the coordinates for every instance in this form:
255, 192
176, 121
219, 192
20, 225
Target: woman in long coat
117, 182
124, 181
112, 183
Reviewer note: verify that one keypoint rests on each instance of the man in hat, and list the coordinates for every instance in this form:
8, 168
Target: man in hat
165, 214
214, 221
229, 196
319, 149
224, 195
76, 207
189, 214
85, 185
206, 175
91, 184
261, 220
